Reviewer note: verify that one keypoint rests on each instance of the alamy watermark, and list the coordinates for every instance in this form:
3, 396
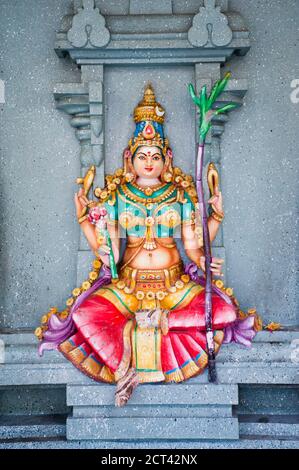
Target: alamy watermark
294, 96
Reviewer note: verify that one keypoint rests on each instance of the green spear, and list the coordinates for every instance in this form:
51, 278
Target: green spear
207, 110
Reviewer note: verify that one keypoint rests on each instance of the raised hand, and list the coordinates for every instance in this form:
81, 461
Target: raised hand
216, 201
81, 201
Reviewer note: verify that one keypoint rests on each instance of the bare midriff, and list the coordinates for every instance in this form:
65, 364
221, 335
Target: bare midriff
161, 257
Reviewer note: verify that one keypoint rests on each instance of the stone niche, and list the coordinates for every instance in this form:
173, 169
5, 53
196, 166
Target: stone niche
119, 46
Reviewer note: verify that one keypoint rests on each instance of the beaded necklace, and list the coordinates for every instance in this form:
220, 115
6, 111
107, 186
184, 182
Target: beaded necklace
144, 196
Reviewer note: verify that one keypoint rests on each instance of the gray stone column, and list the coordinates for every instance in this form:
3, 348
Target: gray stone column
83, 102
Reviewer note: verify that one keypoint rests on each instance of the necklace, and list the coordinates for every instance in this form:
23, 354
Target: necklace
144, 200
148, 190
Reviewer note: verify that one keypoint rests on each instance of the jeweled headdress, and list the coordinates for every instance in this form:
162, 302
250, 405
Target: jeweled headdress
149, 118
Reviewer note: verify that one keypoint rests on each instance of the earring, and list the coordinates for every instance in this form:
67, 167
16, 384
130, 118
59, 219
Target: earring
167, 172
129, 177
129, 171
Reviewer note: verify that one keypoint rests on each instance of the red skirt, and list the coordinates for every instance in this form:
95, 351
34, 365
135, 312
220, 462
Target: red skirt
102, 345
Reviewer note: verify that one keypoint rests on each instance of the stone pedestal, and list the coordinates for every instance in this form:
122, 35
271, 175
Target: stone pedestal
156, 412
254, 405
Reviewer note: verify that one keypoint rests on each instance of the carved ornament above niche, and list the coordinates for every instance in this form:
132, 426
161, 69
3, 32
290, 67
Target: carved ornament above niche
210, 27
88, 27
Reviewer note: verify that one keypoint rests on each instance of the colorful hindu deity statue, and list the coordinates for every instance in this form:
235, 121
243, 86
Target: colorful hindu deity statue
140, 317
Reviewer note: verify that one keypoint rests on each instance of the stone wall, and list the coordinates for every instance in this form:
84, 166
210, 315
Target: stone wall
40, 155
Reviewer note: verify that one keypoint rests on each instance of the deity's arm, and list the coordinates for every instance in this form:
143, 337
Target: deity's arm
113, 230
192, 237
214, 226
91, 237
192, 241
90, 234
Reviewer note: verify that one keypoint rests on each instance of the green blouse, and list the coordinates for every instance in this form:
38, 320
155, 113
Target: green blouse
133, 209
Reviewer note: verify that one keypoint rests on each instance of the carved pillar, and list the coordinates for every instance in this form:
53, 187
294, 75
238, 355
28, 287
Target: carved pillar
84, 103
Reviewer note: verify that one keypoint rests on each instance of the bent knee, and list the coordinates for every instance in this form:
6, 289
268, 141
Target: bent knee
224, 314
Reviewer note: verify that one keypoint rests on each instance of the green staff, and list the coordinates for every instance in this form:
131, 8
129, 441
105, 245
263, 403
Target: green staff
207, 113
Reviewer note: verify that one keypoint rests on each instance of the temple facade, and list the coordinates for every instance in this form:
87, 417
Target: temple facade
70, 76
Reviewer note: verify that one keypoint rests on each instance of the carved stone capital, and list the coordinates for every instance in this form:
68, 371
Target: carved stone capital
83, 102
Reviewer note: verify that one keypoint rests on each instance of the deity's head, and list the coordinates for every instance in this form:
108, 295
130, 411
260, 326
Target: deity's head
148, 154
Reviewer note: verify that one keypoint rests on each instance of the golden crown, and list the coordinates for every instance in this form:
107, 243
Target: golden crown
149, 109
148, 112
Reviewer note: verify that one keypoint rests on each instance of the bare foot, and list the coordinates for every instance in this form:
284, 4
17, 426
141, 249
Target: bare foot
125, 387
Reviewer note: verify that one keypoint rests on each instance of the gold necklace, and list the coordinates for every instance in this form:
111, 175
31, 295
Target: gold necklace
145, 200
148, 190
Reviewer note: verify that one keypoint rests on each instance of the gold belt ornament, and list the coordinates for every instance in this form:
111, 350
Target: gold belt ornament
152, 283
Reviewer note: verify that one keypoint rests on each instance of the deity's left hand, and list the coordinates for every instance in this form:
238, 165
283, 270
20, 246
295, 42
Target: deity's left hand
216, 201
216, 265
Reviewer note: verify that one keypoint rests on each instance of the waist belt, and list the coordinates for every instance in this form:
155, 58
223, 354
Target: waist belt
134, 280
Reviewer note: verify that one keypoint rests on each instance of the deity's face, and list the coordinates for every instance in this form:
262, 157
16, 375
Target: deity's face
148, 162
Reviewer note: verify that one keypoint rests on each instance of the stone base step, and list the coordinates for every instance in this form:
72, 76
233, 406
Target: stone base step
165, 411
236, 444
273, 426
277, 430
32, 427
155, 394
237, 373
147, 429
193, 411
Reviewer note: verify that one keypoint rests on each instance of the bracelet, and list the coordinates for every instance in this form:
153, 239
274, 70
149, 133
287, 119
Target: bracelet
98, 255
101, 239
82, 219
217, 216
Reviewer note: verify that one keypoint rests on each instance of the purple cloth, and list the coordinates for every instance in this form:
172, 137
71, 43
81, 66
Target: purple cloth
60, 330
240, 331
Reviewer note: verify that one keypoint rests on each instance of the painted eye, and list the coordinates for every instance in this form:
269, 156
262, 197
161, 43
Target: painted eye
156, 157
141, 157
